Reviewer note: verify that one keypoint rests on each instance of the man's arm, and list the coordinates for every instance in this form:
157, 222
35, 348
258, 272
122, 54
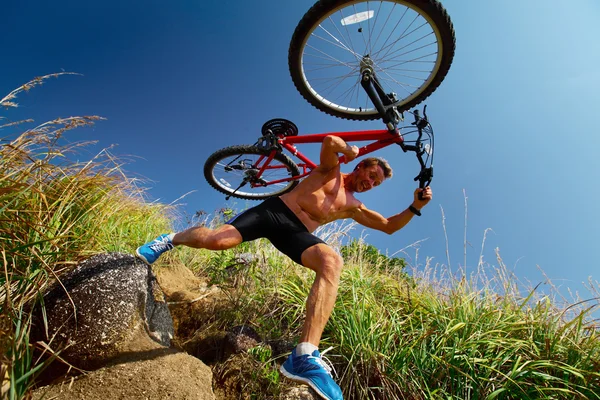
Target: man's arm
374, 220
332, 145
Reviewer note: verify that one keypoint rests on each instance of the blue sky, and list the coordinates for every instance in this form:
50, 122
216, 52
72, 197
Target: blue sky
514, 119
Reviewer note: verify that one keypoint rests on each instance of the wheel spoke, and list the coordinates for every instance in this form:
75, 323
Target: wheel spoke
387, 47
327, 56
358, 56
403, 47
384, 59
384, 45
384, 24
362, 36
337, 43
414, 60
335, 82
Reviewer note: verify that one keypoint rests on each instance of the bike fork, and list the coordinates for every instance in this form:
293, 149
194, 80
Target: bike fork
384, 103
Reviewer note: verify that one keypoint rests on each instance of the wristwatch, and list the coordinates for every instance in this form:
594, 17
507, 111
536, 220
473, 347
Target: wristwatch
414, 210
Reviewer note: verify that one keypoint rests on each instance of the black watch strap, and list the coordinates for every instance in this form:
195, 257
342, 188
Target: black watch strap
414, 210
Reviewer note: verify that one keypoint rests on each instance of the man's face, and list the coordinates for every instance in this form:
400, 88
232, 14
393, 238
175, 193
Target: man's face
366, 178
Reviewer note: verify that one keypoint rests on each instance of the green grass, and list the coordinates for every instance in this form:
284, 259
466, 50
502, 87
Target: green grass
422, 337
393, 335
53, 213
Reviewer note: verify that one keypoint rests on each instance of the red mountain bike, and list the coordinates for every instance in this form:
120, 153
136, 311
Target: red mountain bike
346, 58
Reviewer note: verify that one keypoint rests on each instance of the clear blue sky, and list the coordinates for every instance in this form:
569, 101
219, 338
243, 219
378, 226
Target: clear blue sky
514, 119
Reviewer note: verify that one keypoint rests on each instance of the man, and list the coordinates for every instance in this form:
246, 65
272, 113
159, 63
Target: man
325, 195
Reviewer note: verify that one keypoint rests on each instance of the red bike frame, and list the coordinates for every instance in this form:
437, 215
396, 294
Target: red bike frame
381, 139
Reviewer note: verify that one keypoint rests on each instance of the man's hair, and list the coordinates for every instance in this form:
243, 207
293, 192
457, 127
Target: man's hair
385, 166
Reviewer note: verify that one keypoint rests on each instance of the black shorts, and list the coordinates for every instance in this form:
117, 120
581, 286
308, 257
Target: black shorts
273, 220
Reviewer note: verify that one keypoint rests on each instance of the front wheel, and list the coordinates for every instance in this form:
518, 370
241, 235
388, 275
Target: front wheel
408, 44
235, 171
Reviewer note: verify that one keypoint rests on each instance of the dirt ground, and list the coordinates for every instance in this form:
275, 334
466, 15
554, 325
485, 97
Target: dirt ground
195, 367
166, 374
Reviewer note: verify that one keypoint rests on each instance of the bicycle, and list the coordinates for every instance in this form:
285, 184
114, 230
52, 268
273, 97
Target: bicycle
345, 57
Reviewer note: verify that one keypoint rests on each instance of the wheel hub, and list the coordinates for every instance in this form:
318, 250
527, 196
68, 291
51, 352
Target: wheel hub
366, 65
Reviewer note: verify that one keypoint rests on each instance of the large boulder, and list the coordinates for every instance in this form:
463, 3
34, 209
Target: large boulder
102, 308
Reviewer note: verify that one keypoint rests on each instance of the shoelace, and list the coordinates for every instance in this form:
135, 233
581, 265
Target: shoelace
161, 244
327, 366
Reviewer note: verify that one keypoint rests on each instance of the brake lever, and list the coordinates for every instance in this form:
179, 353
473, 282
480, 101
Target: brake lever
424, 178
421, 122
417, 116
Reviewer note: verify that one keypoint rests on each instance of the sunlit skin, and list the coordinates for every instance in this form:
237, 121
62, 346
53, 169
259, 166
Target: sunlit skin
365, 178
325, 195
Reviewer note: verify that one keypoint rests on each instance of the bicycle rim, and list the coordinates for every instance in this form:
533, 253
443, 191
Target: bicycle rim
409, 49
229, 168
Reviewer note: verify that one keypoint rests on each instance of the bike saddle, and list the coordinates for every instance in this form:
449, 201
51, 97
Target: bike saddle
279, 126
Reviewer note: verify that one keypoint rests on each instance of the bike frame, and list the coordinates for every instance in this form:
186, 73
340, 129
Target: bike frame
380, 138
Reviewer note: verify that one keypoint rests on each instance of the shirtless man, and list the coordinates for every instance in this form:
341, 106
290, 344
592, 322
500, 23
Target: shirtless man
325, 195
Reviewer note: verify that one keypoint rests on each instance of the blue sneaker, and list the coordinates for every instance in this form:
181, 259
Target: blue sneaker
152, 250
312, 370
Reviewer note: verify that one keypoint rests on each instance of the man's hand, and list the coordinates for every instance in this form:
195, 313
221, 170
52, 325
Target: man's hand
351, 153
427, 195
331, 147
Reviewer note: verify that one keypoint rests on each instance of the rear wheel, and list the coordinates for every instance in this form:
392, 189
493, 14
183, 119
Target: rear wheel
233, 171
409, 44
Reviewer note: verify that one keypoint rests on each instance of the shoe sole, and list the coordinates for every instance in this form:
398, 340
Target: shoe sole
141, 257
306, 381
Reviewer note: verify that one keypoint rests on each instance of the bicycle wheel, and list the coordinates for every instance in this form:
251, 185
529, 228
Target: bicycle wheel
409, 44
233, 171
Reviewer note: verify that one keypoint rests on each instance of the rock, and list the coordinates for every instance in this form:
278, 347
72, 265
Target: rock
102, 308
240, 339
246, 258
162, 374
300, 393
281, 347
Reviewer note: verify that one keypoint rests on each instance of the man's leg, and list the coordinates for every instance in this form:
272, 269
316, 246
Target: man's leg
199, 237
222, 238
305, 363
328, 267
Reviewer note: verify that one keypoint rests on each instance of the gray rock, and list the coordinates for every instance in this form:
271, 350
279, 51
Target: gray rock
100, 307
240, 339
246, 258
281, 347
300, 393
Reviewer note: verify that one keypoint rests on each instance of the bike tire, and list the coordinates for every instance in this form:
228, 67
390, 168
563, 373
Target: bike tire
220, 179
299, 59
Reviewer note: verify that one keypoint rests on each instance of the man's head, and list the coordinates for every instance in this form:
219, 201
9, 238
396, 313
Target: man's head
368, 173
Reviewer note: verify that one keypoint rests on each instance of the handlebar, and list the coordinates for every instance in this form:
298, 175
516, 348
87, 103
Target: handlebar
423, 127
